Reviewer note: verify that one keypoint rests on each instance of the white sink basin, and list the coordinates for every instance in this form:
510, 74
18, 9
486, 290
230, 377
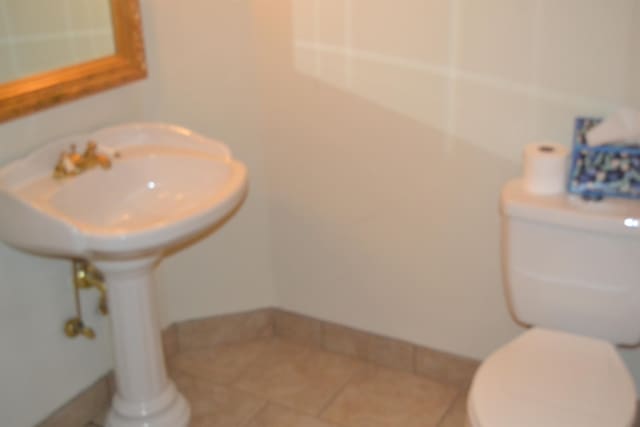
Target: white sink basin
166, 185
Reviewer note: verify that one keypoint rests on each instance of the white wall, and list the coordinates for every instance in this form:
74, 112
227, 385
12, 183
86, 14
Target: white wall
40, 369
203, 76
377, 135
200, 76
392, 127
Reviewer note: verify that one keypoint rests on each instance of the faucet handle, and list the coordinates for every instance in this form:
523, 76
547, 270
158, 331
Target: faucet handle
72, 163
65, 166
74, 156
91, 149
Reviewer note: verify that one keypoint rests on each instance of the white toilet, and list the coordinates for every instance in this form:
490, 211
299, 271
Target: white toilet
572, 271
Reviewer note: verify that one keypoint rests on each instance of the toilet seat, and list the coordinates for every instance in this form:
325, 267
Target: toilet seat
552, 379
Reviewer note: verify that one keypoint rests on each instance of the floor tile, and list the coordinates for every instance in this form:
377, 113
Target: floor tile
170, 342
202, 334
80, 410
217, 406
380, 397
278, 383
278, 416
100, 420
446, 368
388, 352
344, 340
220, 365
300, 329
456, 416
297, 376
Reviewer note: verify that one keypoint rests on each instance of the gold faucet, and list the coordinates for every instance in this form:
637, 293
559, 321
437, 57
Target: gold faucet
72, 163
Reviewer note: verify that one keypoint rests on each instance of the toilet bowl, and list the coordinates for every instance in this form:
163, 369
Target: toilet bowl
547, 378
571, 273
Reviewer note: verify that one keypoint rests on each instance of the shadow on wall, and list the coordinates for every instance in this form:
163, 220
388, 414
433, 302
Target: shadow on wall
409, 251
496, 74
378, 220
389, 132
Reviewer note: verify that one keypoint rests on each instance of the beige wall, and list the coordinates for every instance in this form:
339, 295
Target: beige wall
392, 127
205, 86
203, 76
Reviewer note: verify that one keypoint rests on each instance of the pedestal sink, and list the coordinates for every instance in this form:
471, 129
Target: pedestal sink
166, 185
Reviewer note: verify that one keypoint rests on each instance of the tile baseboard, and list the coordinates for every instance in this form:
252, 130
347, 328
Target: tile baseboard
209, 332
389, 352
83, 408
206, 333
93, 402
197, 334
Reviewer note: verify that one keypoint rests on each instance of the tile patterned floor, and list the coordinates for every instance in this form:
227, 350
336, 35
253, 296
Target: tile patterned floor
276, 383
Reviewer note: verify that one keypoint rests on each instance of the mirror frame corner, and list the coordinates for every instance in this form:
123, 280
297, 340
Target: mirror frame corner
34, 93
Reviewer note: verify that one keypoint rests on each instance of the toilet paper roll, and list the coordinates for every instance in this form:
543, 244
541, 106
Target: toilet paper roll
546, 168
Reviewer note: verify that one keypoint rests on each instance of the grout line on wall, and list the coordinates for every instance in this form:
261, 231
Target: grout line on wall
536, 52
374, 57
452, 81
348, 41
529, 90
316, 35
68, 22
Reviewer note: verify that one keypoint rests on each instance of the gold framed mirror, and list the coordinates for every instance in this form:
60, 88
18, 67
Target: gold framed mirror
35, 92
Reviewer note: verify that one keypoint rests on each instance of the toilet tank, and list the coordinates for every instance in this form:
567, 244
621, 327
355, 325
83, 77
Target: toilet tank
572, 265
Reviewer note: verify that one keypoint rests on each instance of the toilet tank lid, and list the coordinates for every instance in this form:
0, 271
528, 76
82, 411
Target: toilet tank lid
619, 216
553, 379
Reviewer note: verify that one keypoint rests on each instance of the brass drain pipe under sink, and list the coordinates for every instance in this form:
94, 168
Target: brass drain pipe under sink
85, 276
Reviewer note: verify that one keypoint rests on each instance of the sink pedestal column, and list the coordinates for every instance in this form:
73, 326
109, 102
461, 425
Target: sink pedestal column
145, 396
